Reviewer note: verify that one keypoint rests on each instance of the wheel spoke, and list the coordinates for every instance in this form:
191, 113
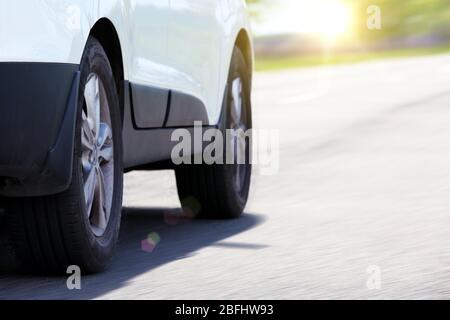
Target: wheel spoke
101, 208
86, 165
106, 154
92, 97
104, 143
105, 135
90, 183
236, 111
87, 135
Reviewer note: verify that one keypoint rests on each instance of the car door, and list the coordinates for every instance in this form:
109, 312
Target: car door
148, 29
194, 54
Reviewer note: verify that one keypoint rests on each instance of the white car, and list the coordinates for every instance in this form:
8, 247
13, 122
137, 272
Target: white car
91, 89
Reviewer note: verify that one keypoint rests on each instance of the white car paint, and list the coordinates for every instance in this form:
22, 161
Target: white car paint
184, 45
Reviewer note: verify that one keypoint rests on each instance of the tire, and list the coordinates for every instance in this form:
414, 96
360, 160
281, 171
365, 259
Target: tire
53, 232
212, 191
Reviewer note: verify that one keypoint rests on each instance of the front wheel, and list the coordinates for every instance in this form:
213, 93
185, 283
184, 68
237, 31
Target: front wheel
220, 191
81, 225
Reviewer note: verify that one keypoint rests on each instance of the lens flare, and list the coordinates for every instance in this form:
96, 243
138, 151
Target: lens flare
326, 19
335, 20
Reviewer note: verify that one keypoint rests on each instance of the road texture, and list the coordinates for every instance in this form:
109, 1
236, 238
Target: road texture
363, 182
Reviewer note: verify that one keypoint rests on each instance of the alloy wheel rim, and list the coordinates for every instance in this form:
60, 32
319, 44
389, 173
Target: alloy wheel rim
239, 122
97, 158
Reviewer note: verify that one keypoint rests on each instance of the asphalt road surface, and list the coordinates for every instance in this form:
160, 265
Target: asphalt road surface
363, 185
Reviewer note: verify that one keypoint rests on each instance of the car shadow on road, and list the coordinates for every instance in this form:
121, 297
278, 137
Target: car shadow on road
150, 238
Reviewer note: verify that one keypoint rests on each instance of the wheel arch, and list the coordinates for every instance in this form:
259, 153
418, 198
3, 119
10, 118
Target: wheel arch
244, 43
105, 32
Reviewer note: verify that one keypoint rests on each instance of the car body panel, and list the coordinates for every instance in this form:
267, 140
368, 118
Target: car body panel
44, 30
192, 57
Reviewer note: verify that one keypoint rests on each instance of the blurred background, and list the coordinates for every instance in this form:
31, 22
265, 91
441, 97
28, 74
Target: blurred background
292, 33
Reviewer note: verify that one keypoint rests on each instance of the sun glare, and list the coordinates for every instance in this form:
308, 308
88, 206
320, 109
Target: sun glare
327, 19
335, 20
330, 19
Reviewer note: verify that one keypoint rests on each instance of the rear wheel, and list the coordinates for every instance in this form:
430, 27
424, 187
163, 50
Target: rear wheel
220, 191
79, 226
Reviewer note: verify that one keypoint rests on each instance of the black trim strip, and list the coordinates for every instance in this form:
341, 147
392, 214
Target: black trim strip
169, 102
